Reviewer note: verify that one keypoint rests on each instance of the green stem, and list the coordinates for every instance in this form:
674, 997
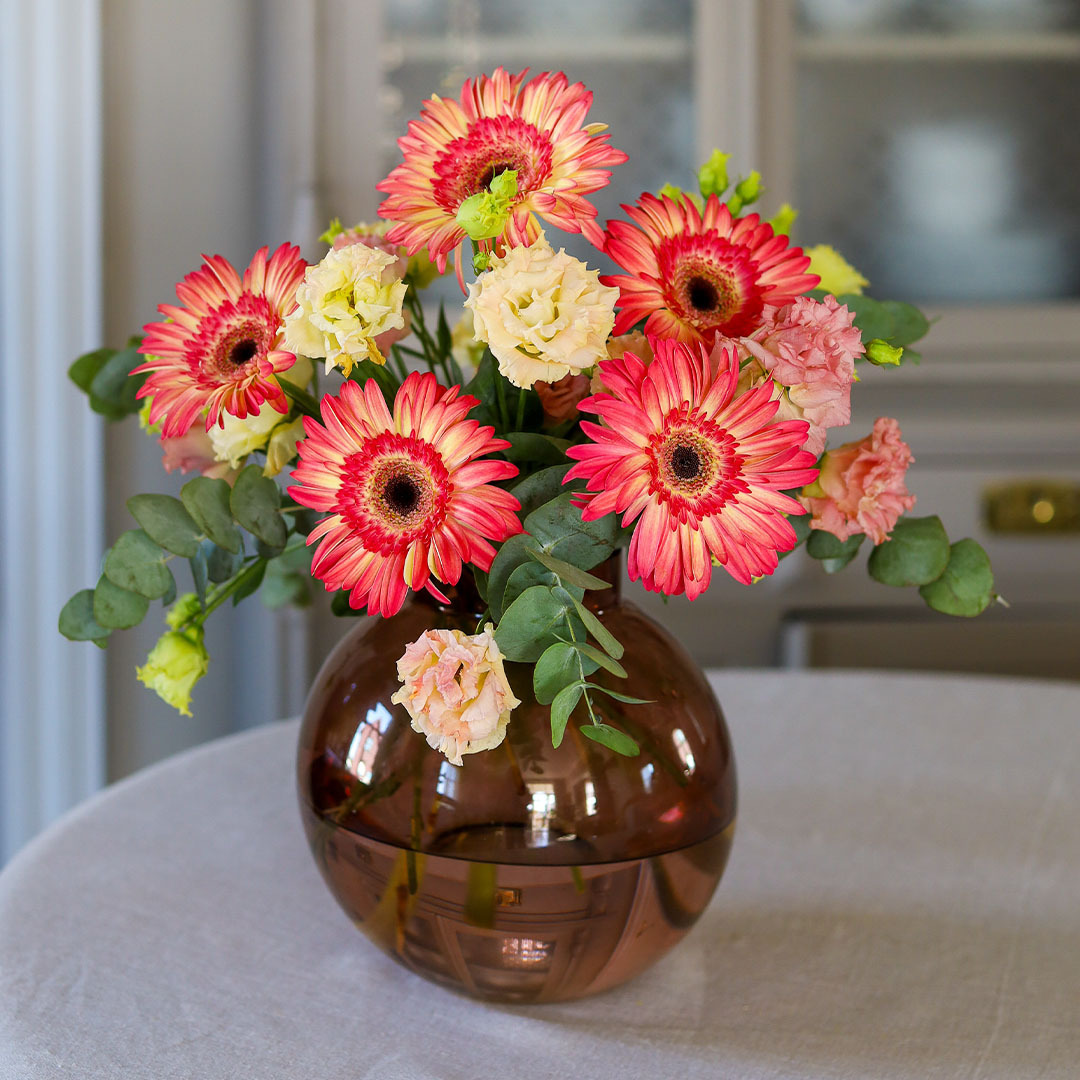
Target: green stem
500, 394
301, 398
581, 672
228, 588
520, 421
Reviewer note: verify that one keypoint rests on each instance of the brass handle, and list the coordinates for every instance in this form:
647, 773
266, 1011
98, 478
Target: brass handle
1032, 506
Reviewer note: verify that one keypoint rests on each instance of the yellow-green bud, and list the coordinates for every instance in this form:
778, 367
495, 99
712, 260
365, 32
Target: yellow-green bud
481, 261
144, 418
333, 232
484, 214
184, 609
175, 664
881, 353
712, 176
783, 219
837, 275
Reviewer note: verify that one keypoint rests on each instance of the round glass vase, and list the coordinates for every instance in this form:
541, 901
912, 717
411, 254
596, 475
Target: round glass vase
528, 873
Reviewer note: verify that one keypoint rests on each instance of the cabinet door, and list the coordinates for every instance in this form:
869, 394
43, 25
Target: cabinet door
936, 144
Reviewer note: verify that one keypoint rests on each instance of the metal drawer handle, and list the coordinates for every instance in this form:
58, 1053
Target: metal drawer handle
1032, 506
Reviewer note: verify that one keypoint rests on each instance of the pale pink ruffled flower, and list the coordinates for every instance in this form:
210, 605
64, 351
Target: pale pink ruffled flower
374, 236
194, 452
809, 347
456, 691
862, 487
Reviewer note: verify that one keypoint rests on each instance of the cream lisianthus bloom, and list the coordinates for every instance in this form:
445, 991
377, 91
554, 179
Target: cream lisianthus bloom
343, 304
455, 690
543, 314
234, 439
282, 447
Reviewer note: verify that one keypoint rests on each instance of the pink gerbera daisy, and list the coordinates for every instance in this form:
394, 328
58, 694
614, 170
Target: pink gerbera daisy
458, 147
218, 351
698, 274
704, 470
406, 496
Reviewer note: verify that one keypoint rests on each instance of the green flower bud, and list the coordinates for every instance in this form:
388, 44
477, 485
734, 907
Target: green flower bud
882, 353
175, 664
712, 176
783, 219
484, 214
333, 232
183, 610
481, 261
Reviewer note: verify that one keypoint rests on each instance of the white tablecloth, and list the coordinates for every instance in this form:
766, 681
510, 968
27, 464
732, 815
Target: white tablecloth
903, 900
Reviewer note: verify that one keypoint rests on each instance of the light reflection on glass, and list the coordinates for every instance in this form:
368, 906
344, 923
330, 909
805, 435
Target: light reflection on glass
365, 743
590, 798
541, 812
682, 748
446, 784
647, 775
526, 952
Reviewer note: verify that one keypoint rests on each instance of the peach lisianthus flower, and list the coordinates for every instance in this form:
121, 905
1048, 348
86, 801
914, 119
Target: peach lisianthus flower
543, 314
560, 399
809, 347
194, 452
862, 486
456, 692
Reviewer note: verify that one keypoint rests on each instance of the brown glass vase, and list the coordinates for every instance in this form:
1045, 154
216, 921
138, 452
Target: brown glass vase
528, 873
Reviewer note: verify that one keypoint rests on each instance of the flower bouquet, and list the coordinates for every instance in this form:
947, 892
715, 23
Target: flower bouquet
498, 460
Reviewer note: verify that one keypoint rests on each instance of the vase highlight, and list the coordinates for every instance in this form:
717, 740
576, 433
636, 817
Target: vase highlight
528, 873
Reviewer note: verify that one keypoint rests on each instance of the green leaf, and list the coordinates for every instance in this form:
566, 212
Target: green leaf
118, 608
873, 319
612, 738
220, 564
509, 557
540, 488
525, 577
198, 571
253, 577
617, 696
568, 573
483, 386
283, 587
77, 622
564, 704
557, 529
137, 564
339, 605
967, 586
533, 448
833, 553
556, 669
481, 580
909, 323
597, 658
604, 637
113, 388
207, 501
82, 372
480, 880
529, 625
916, 554
166, 522
254, 503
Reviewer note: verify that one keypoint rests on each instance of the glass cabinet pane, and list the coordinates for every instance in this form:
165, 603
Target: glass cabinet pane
937, 144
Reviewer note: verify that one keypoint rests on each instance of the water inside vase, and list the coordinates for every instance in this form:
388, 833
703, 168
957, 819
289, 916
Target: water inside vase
513, 932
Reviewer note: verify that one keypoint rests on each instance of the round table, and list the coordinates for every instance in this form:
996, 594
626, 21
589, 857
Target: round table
903, 900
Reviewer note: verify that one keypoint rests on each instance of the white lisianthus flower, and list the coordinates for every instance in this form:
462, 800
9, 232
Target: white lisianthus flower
543, 314
235, 438
343, 304
282, 447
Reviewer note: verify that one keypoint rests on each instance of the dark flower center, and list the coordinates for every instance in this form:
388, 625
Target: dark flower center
703, 294
402, 495
685, 462
242, 352
493, 170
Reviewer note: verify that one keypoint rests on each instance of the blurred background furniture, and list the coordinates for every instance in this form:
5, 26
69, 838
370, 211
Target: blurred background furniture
900, 902
910, 133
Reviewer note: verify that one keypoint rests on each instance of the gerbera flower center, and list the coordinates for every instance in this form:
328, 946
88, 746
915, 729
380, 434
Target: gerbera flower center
703, 294
242, 352
492, 171
695, 463
685, 462
402, 495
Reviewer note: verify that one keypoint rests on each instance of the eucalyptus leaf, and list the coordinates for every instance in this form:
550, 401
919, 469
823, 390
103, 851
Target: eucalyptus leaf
916, 553
626, 698
525, 577
482, 386
137, 564
569, 573
541, 487
254, 502
339, 605
166, 522
530, 624
118, 608
252, 579
509, 557
113, 387
833, 553
77, 622
604, 637
207, 501
220, 564
83, 370
556, 669
873, 319
533, 448
594, 658
564, 704
612, 738
966, 588
909, 323
199, 575
557, 529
